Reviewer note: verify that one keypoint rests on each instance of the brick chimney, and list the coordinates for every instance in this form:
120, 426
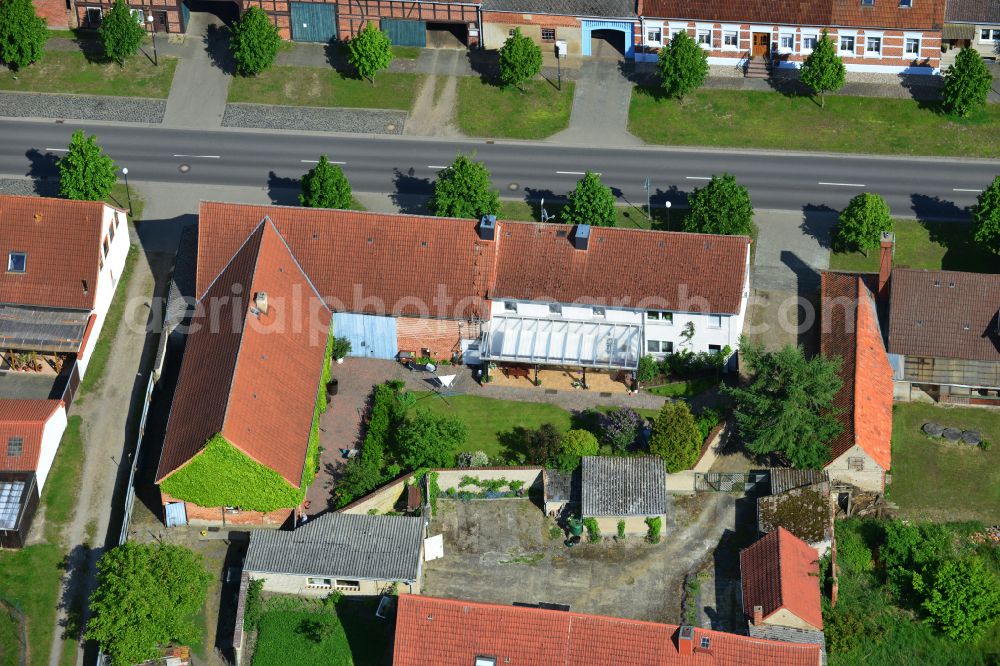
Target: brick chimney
685, 639
887, 247
758, 615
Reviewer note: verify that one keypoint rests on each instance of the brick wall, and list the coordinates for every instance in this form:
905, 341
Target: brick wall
531, 476
440, 336
381, 500
218, 516
171, 7
53, 12
892, 44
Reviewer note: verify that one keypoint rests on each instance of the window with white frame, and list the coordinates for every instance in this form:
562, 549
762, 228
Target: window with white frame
548, 34
138, 15
905, 4
15, 446
786, 42
705, 37
873, 45
847, 44
555, 308
809, 40
17, 262
654, 35
509, 306
715, 321
599, 312
659, 346
319, 582
485, 661
911, 46
731, 39
989, 35
660, 315
352, 585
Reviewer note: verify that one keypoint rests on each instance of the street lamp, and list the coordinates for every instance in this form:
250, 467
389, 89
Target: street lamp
667, 204
152, 32
128, 193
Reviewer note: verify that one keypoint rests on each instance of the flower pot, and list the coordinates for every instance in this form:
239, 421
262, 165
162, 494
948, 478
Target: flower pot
340, 361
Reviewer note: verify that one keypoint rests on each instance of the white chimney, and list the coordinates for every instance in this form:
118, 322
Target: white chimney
260, 301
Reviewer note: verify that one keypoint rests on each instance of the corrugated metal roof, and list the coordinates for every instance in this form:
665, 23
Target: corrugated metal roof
341, 545
618, 486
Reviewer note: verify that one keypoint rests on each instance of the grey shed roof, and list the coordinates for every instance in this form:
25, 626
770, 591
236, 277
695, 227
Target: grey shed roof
972, 11
596, 8
619, 486
341, 545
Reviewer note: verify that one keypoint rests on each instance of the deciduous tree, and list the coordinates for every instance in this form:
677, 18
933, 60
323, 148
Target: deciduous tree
675, 437
145, 598
254, 42
962, 598
986, 217
591, 202
861, 224
683, 65
788, 406
520, 59
620, 428
85, 172
325, 186
430, 440
369, 52
823, 71
22, 34
463, 190
573, 446
721, 207
120, 33
966, 83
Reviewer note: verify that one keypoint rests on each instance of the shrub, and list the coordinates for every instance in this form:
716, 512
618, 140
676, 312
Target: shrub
254, 604
593, 531
621, 529
430, 440
706, 421
574, 445
364, 474
675, 437
520, 59
655, 524
620, 428
340, 347
648, 368
853, 554
473, 459
435, 490
963, 599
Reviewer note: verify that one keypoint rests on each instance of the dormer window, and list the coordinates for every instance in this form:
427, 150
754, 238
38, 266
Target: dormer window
15, 446
17, 262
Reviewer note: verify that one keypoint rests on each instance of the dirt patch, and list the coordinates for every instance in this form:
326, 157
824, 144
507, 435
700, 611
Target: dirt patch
434, 109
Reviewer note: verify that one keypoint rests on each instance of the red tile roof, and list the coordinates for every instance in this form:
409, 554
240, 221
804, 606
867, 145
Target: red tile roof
391, 264
62, 239
781, 571
945, 314
450, 632
850, 330
254, 379
25, 419
924, 14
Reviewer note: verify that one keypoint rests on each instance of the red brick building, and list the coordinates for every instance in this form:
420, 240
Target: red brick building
887, 36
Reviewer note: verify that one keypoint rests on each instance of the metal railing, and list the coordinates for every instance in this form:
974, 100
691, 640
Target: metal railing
744, 61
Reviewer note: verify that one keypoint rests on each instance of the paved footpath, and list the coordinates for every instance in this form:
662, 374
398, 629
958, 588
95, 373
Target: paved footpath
197, 98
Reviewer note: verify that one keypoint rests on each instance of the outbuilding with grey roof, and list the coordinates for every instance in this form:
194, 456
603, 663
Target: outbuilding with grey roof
628, 489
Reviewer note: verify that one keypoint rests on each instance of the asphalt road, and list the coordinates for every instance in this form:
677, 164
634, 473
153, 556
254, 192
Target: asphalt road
928, 188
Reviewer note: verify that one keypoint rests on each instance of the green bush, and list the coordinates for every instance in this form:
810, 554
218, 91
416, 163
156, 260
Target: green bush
621, 529
648, 368
364, 474
254, 604
706, 421
853, 554
222, 475
593, 531
434, 490
655, 524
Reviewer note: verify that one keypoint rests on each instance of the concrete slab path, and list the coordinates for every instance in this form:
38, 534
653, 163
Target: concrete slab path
792, 247
197, 98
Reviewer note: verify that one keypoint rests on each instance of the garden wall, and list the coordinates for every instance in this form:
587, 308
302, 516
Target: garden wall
713, 445
530, 476
380, 500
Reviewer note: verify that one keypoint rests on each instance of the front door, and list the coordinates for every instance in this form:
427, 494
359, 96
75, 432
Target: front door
761, 43
160, 21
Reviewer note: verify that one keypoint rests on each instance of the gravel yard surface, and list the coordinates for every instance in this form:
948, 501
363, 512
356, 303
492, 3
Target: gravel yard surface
362, 121
82, 107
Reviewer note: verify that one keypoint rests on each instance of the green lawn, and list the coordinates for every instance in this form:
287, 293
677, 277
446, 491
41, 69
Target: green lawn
406, 52
685, 389
283, 634
933, 480
102, 350
848, 124
628, 216
930, 245
10, 639
29, 578
487, 419
491, 111
323, 86
63, 482
119, 198
71, 72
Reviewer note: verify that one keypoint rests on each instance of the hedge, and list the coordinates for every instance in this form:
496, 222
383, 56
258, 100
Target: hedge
312, 453
365, 473
222, 475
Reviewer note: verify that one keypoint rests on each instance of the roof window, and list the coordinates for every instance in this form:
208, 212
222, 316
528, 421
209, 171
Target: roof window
15, 446
17, 262
867, 3
485, 661
705, 642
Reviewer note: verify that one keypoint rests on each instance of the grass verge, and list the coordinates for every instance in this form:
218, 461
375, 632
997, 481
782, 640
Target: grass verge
322, 86
491, 111
936, 480
930, 245
628, 216
63, 482
406, 52
120, 197
102, 350
684, 389
29, 580
751, 119
72, 72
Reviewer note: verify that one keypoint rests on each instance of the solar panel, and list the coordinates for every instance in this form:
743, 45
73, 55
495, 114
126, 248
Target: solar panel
10, 503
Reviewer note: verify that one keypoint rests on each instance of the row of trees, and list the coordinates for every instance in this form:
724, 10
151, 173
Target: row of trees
683, 66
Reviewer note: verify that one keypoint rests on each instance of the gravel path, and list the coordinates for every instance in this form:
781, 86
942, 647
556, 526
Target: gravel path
82, 107
363, 121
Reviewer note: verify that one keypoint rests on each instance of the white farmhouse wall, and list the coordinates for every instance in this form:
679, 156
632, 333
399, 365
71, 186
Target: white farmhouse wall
299, 585
574, 312
871, 477
52, 434
114, 221
634, 525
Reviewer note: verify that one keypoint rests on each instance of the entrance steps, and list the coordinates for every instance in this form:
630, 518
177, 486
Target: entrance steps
757, 69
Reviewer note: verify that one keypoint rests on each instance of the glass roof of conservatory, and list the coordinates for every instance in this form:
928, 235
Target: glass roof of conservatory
598, 344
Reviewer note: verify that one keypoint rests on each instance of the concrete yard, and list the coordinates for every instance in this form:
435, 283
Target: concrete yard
501, 551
